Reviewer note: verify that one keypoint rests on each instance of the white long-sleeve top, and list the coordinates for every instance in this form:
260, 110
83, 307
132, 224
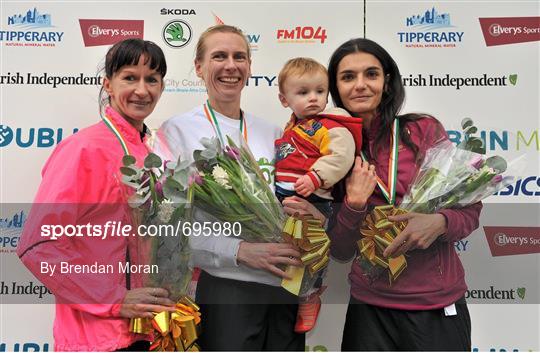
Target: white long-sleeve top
180, 136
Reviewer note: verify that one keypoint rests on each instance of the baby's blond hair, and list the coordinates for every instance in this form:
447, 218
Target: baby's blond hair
299, 67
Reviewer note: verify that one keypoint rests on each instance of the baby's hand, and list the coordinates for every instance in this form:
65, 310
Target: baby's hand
304, 186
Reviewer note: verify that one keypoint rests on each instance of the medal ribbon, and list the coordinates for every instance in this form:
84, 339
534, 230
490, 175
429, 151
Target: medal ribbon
209, 112
109, 123
389, 191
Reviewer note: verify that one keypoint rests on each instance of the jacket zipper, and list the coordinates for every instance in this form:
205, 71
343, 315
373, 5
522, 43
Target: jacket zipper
440, 258
298, 149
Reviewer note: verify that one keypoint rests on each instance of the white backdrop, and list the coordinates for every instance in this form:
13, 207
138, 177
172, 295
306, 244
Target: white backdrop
32, 111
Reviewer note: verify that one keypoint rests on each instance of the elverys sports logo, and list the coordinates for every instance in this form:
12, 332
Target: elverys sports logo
108, 32
504, 241
510, 30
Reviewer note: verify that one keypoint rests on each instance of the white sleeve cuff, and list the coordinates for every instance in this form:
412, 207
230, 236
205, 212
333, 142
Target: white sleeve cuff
226, 251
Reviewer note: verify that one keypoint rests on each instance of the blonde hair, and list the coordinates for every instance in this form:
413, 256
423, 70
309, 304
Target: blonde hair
299, 67
200, 48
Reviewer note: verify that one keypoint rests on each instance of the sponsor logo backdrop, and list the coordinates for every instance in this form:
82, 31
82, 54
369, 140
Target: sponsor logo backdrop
457, 59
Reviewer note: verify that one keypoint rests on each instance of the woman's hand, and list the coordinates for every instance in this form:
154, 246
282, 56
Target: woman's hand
360, 184
267, 256
297, 205
143, 302
421, 231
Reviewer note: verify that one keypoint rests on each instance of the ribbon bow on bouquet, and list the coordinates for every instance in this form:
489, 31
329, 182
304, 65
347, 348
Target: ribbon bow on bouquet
174, 331
307, 234
378, 233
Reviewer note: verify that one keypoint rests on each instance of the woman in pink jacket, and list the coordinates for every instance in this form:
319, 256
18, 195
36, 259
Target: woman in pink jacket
425, 308
81, 195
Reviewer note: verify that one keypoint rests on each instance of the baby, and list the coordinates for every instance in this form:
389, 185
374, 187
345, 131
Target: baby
317, 148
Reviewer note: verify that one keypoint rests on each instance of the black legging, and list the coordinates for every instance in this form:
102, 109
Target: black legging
372, 328
246, 316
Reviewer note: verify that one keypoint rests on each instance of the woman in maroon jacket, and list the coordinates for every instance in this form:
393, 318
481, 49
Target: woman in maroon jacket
425, 308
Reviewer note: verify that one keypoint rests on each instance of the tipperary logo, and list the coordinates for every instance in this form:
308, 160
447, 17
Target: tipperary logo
428, 31
32, 19
26, 35
431, 19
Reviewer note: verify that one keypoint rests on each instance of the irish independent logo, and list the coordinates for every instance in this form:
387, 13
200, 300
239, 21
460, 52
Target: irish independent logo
177, 33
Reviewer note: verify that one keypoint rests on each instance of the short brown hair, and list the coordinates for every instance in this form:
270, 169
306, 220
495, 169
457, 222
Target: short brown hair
299, 67
200, 49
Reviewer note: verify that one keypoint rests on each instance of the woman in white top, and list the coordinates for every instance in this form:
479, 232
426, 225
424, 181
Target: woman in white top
242, 304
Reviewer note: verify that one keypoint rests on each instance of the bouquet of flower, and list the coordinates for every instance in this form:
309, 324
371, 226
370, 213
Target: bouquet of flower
161, 198
229, 186
161, 202
456, 175
450, 176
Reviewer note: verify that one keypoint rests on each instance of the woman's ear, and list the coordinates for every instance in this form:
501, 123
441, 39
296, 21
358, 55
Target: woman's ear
107, 85
198, 68
386, 82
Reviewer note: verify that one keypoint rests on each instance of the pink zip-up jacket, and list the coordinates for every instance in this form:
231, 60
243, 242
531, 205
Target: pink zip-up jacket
80, 185
434, 277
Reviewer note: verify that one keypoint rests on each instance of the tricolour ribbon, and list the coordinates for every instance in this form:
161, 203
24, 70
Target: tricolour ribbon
211, 116
389, 189
109, 123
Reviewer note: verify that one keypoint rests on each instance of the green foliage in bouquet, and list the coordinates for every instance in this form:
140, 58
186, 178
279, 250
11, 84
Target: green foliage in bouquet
452, 176
161, 198
231, 187
471, 142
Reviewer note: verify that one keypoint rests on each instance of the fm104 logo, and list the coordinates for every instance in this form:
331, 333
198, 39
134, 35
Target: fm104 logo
34, 137
306, 34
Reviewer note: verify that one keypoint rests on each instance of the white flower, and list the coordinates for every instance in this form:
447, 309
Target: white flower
166, 209
152, 139
221, 177
141, 192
